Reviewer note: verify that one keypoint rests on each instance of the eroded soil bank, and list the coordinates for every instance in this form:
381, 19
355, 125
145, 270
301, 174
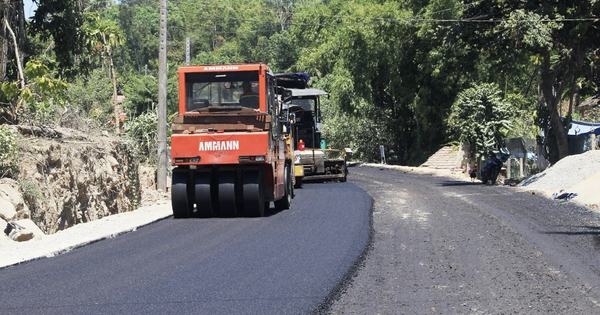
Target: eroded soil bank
65, 177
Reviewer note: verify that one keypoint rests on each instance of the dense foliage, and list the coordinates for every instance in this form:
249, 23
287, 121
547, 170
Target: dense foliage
398, 72
480, 117
8, 151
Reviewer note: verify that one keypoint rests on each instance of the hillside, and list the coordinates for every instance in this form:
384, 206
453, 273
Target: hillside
67, 177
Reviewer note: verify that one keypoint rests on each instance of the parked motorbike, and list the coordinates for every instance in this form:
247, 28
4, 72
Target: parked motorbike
492, 167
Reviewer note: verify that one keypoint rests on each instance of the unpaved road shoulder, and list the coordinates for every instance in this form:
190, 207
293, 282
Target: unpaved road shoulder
443, 246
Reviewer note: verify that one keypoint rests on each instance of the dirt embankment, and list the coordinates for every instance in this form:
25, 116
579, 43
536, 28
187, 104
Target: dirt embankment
66, 178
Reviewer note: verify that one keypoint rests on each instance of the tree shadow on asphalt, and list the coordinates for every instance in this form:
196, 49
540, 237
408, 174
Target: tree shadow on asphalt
591, 230
269, 212
455, 183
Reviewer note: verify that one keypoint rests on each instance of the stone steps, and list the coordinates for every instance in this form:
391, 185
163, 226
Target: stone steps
444, 158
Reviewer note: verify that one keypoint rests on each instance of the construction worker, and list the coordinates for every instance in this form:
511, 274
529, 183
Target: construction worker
249, 98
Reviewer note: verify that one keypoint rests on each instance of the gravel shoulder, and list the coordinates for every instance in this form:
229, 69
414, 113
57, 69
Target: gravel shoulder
578, 174
452, 246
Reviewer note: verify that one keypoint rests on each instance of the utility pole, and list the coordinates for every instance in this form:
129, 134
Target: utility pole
161, 173
187, 51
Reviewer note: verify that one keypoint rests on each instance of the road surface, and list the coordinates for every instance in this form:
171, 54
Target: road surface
285, 263
442, 246
431, 245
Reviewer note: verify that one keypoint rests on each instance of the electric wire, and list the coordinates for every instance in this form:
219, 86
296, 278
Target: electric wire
375, 20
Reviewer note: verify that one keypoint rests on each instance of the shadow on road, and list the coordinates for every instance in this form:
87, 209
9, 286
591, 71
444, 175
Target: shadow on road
455, 183
271, 211
593, 231
589, 230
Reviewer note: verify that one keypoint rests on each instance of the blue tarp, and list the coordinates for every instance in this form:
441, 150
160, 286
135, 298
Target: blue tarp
581, 128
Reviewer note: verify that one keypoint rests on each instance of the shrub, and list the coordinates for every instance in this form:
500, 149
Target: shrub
142, 130
8, 152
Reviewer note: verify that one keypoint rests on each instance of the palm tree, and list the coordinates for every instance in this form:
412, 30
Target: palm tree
104, 36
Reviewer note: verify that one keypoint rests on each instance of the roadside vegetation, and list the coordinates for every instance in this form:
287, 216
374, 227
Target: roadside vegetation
409, 75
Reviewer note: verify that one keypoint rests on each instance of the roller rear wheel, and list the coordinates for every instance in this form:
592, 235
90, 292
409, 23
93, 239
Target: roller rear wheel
253, 194
202, 194
227, 200
181, 199
285, 202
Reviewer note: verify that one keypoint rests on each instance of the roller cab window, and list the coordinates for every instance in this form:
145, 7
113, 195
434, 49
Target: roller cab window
235, 90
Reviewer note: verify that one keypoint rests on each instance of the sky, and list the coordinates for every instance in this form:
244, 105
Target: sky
29, 8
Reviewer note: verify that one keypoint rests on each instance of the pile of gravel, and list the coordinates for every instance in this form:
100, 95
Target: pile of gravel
565, 173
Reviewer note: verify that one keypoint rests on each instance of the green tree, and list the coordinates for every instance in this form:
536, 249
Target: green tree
104, 36
92, 96
140, 24
559, 42
40, 95
278, 51
139, 21
12, 39
142, 130
481, 118
59, 24
141, 94
408, 72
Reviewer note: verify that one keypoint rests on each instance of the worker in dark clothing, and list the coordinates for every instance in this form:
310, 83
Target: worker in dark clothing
249, 98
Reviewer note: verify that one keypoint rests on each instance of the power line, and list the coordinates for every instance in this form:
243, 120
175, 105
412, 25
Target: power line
415, 19
370, 20
196, 4
374, 20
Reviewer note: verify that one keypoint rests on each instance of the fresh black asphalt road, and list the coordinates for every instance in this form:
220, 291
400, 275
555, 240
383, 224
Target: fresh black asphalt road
289, 262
